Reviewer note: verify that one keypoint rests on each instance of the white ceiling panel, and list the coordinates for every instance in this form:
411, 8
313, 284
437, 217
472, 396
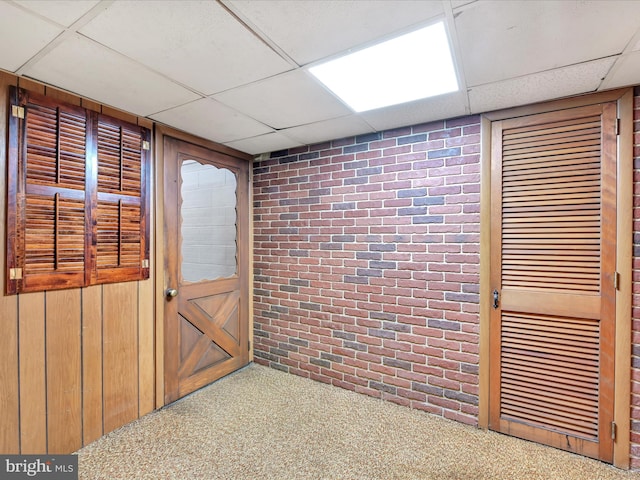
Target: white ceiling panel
558, 83
235, 71
420, 111
460, 3
211, 120
270, 142
64, 12
501, 40
22, 35
197, 43
84, 67
625, 73
328, 130
308, 31
285, 100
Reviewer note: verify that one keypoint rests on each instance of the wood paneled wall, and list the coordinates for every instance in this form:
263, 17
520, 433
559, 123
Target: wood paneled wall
74, 364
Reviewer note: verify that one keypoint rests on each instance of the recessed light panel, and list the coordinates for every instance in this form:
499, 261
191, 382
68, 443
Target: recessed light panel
406, 68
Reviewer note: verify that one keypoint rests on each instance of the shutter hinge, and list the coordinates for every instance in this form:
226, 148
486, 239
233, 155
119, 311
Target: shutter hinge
617, 126
145, 263
17, 111
616, 280
145, 145
15, 273
613, 430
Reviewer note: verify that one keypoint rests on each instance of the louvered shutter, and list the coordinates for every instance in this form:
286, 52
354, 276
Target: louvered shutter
47, 221
553, 254
77, 197
121, 225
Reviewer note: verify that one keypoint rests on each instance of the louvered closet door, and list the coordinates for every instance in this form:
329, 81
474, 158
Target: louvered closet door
553, 259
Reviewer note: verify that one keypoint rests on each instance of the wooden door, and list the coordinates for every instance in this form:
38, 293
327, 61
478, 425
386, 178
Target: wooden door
553, 254
206, 266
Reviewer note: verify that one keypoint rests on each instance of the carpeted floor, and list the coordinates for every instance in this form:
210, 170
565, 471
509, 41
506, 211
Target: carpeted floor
260, 423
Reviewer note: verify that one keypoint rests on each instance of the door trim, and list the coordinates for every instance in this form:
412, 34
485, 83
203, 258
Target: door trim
622, 376
160, 282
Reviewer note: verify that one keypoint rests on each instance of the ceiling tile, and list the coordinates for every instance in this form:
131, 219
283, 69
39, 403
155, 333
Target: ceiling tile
86, 68
328, 130
420, 111
499, 40
558, 83
64, 12
211, 120
285, 100
308, 31
197, 43
625, 73
270, 142
460, 3
22, 35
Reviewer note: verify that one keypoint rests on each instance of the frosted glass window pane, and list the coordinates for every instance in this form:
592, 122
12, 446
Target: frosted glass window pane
208, 223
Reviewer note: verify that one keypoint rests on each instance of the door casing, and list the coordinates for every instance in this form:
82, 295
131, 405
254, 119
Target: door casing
159, 259
622, 374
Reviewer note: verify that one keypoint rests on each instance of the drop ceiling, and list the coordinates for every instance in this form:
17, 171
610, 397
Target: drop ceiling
236, 71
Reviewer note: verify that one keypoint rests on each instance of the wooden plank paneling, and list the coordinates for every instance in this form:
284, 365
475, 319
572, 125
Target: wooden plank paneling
115, 113
9, 397
91, 105
120, 354
146, 347
31, 85
33, 381
92, 363
52, 388
64, 381
63, 96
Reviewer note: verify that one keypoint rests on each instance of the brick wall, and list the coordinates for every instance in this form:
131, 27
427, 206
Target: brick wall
367, 264
635, 374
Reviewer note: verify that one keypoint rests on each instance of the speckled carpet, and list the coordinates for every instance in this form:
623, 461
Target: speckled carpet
261, 423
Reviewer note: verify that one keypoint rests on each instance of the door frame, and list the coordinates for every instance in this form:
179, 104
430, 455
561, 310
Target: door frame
159, 278
624, 235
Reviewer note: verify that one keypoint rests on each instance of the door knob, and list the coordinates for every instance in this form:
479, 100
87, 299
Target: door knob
171, 292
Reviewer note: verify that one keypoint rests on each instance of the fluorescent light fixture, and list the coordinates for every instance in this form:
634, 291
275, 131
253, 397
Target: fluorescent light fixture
409, 67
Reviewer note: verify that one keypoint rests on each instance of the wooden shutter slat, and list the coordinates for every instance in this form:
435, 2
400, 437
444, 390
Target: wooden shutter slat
55, 147
535, 340
121, 201
559, 140
53, 199
567, 125
530, 182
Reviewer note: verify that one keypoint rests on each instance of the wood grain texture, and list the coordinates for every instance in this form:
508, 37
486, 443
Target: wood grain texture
92, 363
64, 371
33, 378
624, 263
91, 105
120, 354
485, 272
115, 113
157, 167
553, 250
65, 97
9, 397
213, 351
31, 85
146, 347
